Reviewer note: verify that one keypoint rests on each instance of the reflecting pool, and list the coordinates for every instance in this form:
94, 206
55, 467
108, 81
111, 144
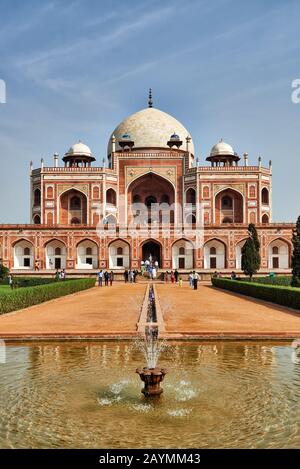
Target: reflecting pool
86, 394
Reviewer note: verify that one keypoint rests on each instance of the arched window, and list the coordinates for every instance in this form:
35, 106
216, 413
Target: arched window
75, 203
119, 251
111, 197
227, 220
37, 220
191, 196
164, 199
213, 251
37, 197
205, 192
150, 200
181, 251
89, 251
226, 203
265, 219
275, 250
57, 251
49, 192
136, 199
265, 196
190, 219
26, 251
75, 221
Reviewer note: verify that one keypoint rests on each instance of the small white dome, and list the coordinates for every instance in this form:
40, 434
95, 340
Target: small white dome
150, 127
79, 149
222, 148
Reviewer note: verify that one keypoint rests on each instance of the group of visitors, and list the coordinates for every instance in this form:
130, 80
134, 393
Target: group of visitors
149, 268
130, 275
107, 277
60, 274
193, 280
173, 277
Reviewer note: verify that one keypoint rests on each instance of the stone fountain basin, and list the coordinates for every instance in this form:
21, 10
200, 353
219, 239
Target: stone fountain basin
152, 378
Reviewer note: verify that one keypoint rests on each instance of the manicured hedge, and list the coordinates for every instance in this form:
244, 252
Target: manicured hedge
13, 300
29, 281
283, 280
285, 296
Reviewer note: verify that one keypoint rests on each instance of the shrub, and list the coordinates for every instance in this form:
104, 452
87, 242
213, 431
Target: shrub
24, 297
281, 295
4, 271
282, 280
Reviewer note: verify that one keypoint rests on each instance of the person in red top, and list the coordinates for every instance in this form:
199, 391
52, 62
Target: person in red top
172, 277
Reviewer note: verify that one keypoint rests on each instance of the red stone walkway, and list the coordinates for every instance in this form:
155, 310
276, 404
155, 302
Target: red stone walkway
213, 312
114, 312
96, 312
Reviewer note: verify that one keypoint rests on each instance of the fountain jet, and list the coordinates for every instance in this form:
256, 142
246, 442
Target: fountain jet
151, 375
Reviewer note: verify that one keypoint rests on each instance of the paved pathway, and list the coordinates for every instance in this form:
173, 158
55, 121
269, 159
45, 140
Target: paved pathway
211, 311
98, 311
114, 311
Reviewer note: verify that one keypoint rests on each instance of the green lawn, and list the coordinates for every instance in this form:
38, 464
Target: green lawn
4, 288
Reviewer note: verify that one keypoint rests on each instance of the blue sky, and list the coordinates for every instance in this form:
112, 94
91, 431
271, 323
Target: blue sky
75, 69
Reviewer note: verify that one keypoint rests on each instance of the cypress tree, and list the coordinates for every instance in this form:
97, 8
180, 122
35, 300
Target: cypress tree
250, 252
296, 255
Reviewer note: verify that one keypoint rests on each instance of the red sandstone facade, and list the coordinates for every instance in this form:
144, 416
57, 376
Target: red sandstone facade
80, 213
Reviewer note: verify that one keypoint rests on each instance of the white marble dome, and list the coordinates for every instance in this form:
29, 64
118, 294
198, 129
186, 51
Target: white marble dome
222, 148
150, 127
79, 149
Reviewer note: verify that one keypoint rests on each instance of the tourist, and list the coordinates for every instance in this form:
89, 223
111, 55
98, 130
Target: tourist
126, 276
172, 277
153, 273
11, 281
106, 277
132, 275
166, 276
195, 278
100, 278
111, 278
142, 267
135, 274
191, 279
180, 281
233, 275
57, 275
176, 275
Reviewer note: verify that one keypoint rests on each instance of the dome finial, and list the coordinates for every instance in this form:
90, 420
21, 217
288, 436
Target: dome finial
150, 102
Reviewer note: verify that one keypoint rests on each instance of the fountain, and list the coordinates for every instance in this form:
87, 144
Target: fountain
151, 374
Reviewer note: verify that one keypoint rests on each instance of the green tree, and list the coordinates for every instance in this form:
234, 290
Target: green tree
4, 271
296, 255
250, 253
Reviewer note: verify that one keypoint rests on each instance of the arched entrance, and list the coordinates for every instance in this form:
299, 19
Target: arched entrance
56, 255
152, 250
150, 200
